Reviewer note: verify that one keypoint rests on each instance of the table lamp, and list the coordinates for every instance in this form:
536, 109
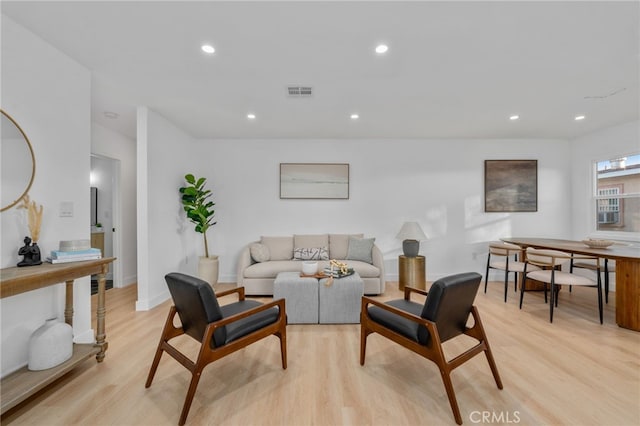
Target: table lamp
411, 233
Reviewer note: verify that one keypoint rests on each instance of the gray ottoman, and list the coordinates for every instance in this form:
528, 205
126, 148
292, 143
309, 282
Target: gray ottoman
340, 302
301, 296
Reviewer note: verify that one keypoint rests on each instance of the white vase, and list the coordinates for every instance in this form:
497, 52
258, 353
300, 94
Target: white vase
310, 268
208, 269
50, 345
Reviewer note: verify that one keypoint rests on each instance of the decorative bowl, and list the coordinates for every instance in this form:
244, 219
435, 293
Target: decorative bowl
597, 243
309, 268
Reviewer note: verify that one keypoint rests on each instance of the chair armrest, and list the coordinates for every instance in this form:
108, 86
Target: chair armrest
228, 320
408, 290
369, 301
430, 325
582, 265
239, 290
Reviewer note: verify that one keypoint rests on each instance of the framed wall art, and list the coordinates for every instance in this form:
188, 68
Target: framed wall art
511, 185
314, 180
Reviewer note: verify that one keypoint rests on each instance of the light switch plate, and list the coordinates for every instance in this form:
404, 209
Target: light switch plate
66, 209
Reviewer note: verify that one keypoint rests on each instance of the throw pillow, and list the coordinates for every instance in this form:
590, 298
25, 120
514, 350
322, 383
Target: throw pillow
259, 252
339, 244
360, 249
310, 253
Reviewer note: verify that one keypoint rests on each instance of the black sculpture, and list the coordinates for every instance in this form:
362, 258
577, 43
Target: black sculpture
31, 253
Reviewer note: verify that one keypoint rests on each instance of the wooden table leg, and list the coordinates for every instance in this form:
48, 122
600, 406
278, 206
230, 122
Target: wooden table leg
100, 314
68, 304
628, 294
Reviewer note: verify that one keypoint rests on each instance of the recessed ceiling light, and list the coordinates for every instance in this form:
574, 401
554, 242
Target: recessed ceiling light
579, 117
382, 48
354, 116
207, 48
251, 116
110, 114
514, 117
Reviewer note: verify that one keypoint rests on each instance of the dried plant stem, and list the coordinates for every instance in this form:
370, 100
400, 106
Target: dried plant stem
34, 217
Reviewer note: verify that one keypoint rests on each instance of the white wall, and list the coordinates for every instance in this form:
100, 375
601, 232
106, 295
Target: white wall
48, 94
165, 154
605, 144
438, 183
107, 143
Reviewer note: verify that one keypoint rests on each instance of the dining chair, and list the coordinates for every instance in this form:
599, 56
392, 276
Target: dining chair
593, 266
550, 262
423, 328
220, 329
508, 258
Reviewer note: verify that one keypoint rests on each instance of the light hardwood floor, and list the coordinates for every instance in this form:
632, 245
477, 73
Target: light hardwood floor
572, 372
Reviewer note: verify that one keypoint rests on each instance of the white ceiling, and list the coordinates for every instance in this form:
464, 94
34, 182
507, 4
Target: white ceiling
453, 70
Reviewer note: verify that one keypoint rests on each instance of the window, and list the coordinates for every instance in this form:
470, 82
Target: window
609, 206
617, 194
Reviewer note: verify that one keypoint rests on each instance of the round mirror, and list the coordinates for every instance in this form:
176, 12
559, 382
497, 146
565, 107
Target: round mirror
17, 161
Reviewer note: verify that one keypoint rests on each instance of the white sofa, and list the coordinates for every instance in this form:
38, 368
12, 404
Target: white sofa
260, 261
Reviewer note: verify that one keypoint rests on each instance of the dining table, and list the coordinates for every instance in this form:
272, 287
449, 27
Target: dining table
627, 258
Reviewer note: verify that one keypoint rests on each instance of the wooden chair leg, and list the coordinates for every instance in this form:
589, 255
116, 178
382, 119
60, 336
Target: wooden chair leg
195, 378
448, 385
283, 348
363, 343
487, 351
168, 331
154, 365
494, 368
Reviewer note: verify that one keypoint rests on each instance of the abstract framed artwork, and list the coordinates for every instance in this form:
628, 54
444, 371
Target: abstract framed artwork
511, 185
314, 181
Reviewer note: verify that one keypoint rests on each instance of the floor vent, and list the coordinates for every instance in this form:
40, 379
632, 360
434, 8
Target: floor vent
299, 91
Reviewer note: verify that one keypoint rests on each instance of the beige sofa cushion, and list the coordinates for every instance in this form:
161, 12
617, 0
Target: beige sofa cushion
339, 245
309, 241
280, 248
272, 268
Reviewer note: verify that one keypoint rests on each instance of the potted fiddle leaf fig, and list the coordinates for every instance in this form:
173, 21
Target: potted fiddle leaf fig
199, 209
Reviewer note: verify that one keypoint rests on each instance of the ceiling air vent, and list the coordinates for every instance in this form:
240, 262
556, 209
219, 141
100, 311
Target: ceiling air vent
299, 91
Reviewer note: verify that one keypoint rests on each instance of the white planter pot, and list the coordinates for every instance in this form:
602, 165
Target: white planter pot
309, 268
208, 269
50, 345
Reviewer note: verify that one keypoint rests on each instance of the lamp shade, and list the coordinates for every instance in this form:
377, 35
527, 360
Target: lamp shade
411, 231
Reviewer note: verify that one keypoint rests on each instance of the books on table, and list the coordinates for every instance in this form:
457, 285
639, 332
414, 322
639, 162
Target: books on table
59, 256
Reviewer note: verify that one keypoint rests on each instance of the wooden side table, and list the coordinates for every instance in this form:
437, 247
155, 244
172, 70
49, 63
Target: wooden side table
412, 272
